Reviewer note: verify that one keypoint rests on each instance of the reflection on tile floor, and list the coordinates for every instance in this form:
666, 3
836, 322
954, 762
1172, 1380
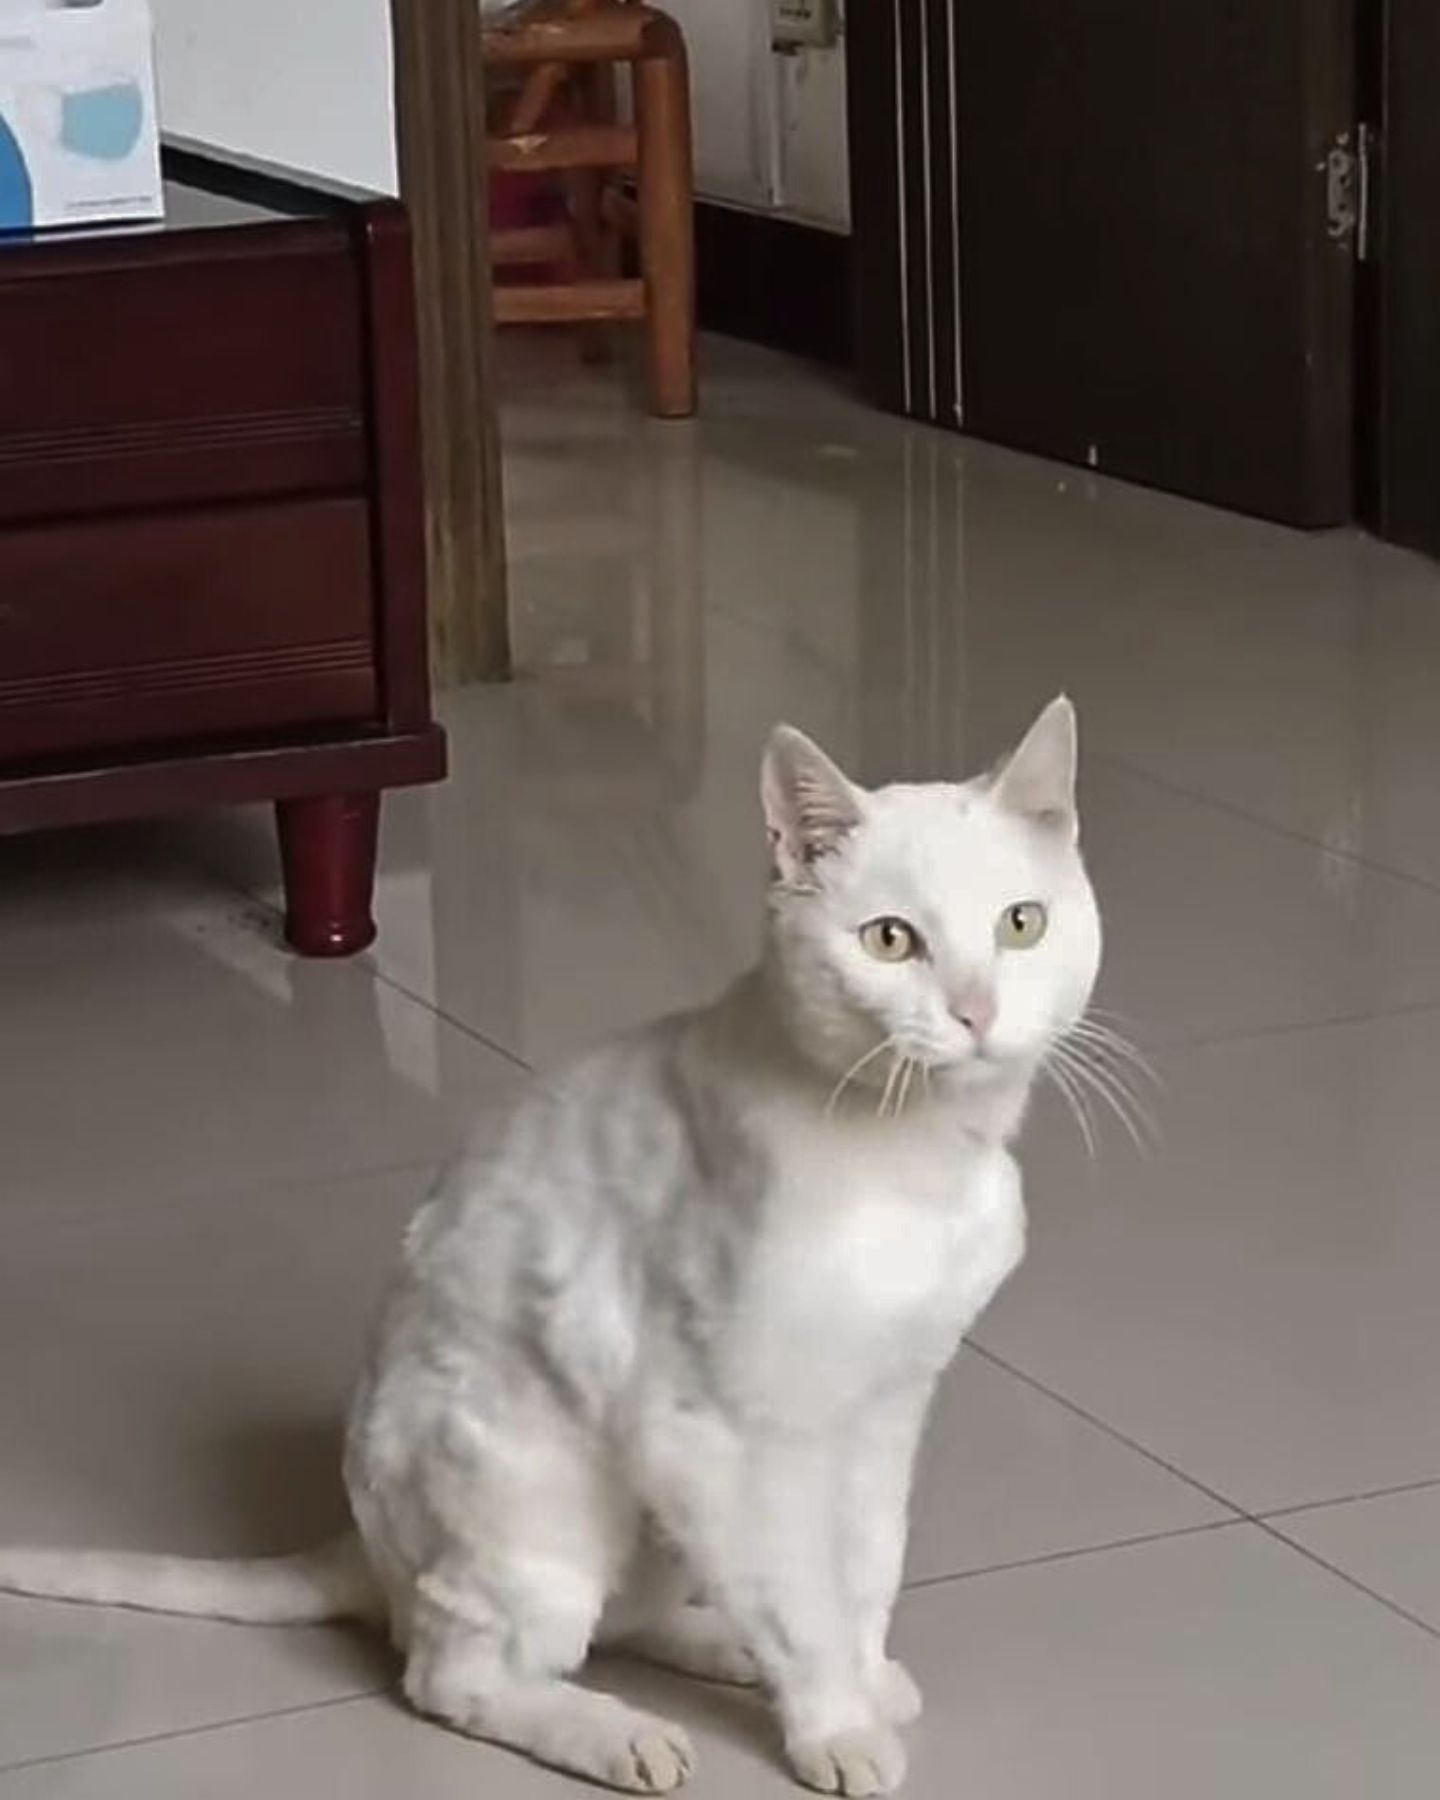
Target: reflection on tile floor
1178, 1528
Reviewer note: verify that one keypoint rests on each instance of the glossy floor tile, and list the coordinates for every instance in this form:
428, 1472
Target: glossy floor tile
1215, 1664
561, 886
174, 1376
1009, 1475
910, 598
1255, 1302
209, 1150
1285, 674
75, 1681
1388, 1542
158, 1041
598, 915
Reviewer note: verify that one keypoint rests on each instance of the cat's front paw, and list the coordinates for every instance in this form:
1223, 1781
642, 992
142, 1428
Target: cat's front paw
897, 1695
856, 1763
632, 1751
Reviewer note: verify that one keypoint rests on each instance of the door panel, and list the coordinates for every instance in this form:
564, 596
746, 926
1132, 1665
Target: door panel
1147, 283
1402, 299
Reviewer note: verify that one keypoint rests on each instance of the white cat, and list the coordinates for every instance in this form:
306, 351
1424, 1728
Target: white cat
656, 1365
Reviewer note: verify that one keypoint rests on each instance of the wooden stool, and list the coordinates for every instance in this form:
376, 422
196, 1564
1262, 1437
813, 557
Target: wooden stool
561, 116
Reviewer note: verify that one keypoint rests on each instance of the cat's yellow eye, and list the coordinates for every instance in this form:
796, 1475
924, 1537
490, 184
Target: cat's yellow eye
1021, 927
891, 940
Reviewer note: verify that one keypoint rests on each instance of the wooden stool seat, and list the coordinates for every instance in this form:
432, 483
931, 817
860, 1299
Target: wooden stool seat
612, 31
555, 111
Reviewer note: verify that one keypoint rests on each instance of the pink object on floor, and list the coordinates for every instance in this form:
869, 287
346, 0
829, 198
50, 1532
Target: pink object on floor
520, 200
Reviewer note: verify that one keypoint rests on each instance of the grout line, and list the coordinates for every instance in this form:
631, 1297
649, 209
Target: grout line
1111, 760
452, 1019
181, 1199
1046, 1557
1334, 1022
1243, 1515
1219, 1499
1380, 1493
1350, 1580
366, 962
190, 1731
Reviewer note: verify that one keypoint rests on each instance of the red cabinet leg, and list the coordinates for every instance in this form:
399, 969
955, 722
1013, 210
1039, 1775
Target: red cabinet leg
327, 847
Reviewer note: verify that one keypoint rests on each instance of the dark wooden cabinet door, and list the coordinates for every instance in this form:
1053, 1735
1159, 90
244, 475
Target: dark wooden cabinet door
192, 623
190, 392
1100, 230
1401, 284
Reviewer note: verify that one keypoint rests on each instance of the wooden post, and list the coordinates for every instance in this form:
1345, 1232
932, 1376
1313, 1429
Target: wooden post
440, 116
667, 223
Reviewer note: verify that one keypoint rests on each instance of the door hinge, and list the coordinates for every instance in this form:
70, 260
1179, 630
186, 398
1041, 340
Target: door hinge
1349, 171
1367, 156
1341, 171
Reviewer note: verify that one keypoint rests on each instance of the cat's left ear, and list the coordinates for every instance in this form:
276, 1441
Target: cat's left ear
810, 807
1038, 779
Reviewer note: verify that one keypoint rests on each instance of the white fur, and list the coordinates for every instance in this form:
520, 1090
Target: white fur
660, 1351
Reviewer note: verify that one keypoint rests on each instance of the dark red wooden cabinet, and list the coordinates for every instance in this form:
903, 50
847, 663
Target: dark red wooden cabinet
211, 525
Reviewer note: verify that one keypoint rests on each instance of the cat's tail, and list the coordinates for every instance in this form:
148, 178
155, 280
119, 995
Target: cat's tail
333, 1582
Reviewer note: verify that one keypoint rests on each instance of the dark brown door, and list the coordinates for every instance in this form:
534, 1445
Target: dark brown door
1400, 296
1108, 231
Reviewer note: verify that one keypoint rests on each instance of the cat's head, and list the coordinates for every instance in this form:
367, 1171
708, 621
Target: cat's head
953, 921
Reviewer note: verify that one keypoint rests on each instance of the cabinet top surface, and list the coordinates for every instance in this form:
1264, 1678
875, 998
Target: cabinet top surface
204, 191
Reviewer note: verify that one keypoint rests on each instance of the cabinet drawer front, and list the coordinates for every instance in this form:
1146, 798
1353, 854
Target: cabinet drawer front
144, 385
203, 625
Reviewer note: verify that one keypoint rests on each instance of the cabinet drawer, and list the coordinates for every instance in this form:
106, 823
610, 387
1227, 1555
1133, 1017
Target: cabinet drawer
182, 379
201, 625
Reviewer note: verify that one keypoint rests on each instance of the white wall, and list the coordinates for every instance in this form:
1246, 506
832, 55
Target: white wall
769, 129
302, 82
307, 82
813, 172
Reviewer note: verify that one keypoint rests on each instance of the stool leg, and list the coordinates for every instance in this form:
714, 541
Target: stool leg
598, 240
667, 228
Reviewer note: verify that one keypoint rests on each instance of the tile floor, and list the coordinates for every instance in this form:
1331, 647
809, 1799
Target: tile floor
1178, 1528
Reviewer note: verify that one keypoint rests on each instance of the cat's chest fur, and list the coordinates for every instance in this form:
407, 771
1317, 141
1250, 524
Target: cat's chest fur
873, 1252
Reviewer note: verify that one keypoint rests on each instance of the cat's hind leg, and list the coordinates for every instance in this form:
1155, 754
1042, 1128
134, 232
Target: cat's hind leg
526, 1543
502, 1674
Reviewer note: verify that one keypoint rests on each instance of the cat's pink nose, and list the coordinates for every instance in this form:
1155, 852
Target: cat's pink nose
975, 1010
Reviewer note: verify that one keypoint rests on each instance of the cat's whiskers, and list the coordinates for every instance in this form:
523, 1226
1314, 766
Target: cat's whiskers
892, 1079
1109, 1085
1090, 1095
1074, 1099
861, 1062
1121, 1063
910, 1064
1097, 1015
1109, 1042
1099, 1067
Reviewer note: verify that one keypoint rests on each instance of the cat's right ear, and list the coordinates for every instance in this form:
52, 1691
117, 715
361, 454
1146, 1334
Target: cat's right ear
810, 807
1038, 779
